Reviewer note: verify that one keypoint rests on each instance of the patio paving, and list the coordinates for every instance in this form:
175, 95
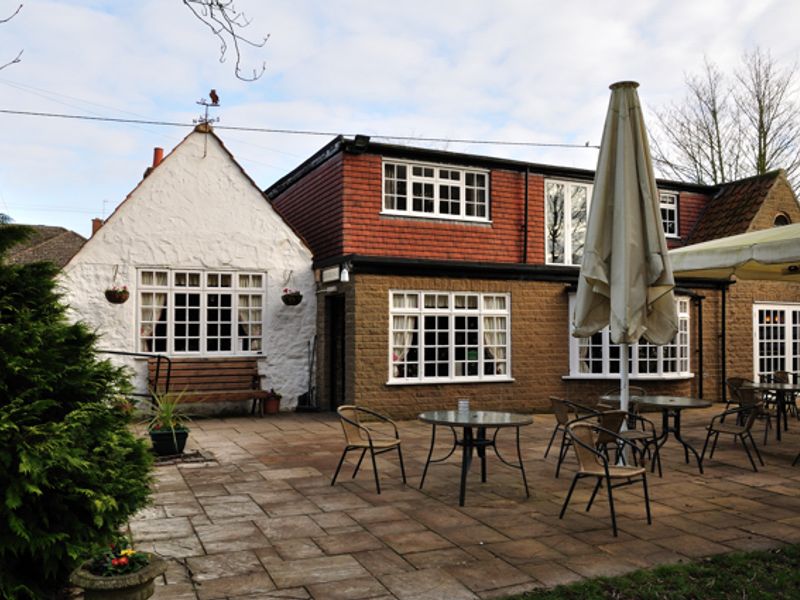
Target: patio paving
261, 519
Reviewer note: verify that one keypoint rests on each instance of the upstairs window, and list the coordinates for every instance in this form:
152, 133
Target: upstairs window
669, 214
201, 312
437, 191
566, 213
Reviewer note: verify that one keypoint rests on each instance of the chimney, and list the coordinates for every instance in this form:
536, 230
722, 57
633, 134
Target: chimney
158, 156
96, 225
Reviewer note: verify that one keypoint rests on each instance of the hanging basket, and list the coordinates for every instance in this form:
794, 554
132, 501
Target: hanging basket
117, 296
292, 299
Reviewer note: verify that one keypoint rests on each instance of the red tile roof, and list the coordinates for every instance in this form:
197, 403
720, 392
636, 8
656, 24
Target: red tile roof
733, 208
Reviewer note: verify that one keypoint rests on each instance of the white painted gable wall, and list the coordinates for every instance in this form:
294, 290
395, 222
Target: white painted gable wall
196, 211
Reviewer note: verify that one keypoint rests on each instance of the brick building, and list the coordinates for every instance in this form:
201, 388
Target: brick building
444, 276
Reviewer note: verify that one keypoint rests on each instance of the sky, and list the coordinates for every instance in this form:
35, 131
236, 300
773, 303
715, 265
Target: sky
514, 71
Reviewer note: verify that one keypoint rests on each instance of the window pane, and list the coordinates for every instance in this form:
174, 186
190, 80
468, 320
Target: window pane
554, 225
579, 200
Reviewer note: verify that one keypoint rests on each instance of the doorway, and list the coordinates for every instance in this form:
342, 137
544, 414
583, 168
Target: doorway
335, 350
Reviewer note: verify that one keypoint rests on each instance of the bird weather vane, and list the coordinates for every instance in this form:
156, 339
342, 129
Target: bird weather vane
213, 102
204, 119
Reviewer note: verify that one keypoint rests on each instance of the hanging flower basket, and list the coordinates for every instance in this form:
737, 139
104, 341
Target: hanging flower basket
117, 295
291, 297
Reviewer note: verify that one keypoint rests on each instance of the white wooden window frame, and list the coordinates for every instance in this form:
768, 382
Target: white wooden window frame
204, 289
681, 344
436, 181
485, 310
776, 347
668, 205
568, 225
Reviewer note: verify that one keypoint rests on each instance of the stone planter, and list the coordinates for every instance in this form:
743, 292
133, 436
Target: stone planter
292, 299
131, 586
167, 443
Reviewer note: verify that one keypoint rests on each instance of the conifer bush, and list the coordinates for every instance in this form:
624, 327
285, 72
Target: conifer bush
71, 471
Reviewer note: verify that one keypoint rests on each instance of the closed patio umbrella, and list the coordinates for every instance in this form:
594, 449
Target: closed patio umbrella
625, 279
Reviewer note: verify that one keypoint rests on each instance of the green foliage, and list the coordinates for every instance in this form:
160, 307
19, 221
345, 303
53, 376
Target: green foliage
118, 558
166, 412
71, 471
765, 575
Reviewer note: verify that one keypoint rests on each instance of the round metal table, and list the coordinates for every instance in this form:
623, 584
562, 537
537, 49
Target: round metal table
474, 424
671, 407
781, 390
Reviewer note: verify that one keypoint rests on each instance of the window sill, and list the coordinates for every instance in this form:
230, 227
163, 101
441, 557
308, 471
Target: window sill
394, 383
595, 377
436, 218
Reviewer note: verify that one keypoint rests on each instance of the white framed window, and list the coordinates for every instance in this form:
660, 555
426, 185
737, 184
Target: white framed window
436, 191
668, 203
440, 337
776, 338
566, 214
596, 357
201, 312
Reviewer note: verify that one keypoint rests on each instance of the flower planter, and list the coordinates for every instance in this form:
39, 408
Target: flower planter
292, 299
117, 296
130, 586
272, 406
168, 443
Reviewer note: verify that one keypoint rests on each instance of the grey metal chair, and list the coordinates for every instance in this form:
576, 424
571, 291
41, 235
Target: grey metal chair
746, 416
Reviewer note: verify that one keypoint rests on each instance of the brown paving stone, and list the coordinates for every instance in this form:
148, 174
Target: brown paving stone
342, 501
523, 551
382, 562
472, 534
350, 589
415, 541
487, 575
566, 545
376, 514
183, 509
289, 473
180, 591
513, 590
161, 529
281, 528
237, 585
427, 584
296, 548
231, 537
692, 545
174, 548
315, 570
333, 520
225, 564
346, 543
443, 518
752, 542
599, 565
775, 530
439, 558
229, 507
550, 573
386, 528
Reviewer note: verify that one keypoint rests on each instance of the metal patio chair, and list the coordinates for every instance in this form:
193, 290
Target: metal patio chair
361, 437
746, 416
594, 463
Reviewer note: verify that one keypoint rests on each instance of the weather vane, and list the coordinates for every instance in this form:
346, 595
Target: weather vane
213, 102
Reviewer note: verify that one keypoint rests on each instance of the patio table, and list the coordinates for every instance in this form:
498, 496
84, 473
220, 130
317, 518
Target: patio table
474, 424
670, 407
780, 389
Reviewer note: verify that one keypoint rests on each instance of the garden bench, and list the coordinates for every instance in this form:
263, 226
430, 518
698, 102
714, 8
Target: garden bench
209, 379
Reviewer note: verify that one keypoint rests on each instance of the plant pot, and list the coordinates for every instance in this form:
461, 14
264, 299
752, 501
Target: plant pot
167, 442
272, 406
292, 299
130, 586
117, 296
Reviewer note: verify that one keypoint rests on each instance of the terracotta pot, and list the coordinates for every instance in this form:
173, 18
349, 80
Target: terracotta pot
168, 443
130, 586
117, 296
292, 299
272, 406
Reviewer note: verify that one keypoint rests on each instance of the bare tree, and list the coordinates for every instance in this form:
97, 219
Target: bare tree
18, 57
770, 115
725, 129
227, 24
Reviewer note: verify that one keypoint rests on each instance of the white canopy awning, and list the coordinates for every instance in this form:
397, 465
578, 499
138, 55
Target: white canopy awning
771, 254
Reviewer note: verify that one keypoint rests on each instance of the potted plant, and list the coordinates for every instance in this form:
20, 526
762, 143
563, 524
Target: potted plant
117, 295
166, 423
272, 402
119, 573
291, 297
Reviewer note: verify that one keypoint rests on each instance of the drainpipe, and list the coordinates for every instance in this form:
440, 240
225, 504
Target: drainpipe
525, 223
724, 344
698, 300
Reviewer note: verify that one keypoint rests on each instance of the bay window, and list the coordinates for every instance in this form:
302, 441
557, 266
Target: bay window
201, 312
449, 336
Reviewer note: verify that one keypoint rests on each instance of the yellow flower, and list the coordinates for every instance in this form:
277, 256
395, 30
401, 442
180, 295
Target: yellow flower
128, 552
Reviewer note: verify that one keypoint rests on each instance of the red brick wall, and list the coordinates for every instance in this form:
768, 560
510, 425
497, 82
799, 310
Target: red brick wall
366, 231
313, 208
690, 206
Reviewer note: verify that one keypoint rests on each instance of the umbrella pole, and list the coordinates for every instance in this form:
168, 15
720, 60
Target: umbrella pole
624, 395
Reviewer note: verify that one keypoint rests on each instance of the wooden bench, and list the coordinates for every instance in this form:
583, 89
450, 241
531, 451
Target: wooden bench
210, 379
